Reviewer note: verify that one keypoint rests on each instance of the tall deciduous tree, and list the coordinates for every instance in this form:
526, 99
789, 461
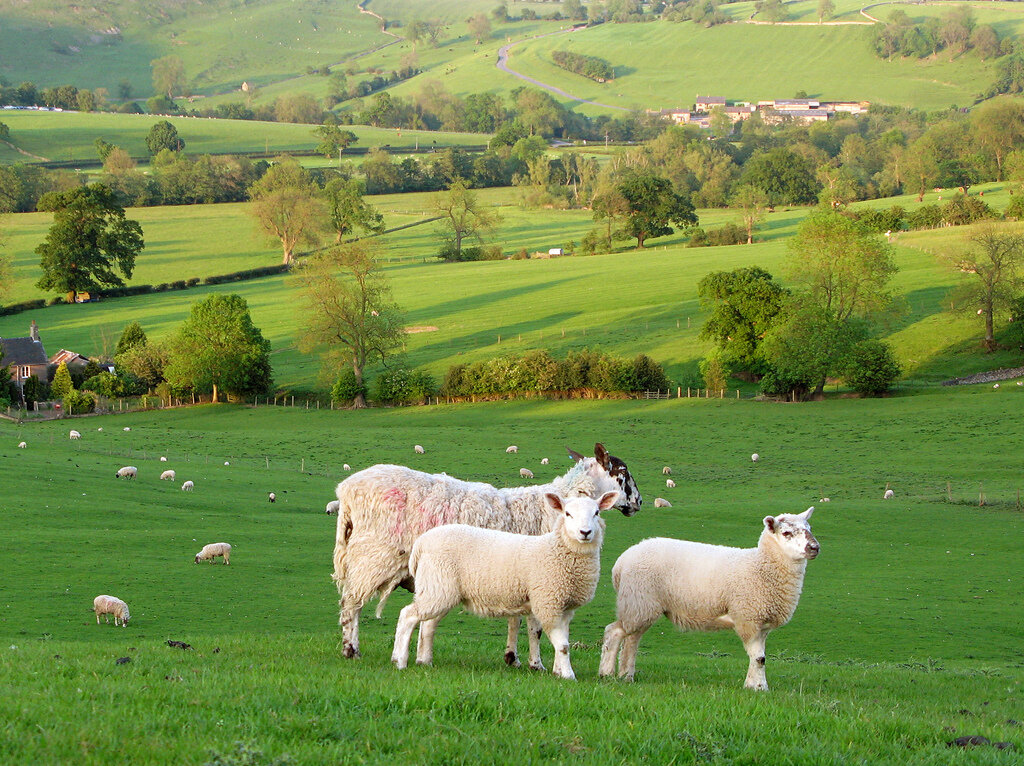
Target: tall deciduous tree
333, 139
999, 128
745, 304
169, 76
163, 135
348, 210
995, 258
463, 217
91, 243
652, 205
753, 203
826, 9
286, 206
479, 27
218, 348
348, 314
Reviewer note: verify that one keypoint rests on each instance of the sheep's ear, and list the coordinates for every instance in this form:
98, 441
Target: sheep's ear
602, 455
769, 523
806, 514
575, 455
608, 500
554, 501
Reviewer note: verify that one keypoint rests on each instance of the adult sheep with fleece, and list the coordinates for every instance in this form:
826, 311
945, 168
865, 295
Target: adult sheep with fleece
213, 550
107, 605
383, 509
501, 574
168, 475
710, 587
126, 472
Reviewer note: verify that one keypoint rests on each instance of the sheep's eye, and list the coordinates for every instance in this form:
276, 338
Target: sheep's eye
787, 533
568, 514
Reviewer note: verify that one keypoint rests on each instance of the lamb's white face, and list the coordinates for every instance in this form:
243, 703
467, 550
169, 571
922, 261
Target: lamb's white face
793, 533
583, 522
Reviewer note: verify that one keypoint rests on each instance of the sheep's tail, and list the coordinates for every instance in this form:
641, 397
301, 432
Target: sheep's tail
341, 538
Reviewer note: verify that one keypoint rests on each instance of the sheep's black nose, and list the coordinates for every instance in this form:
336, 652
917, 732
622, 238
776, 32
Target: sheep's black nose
585, 533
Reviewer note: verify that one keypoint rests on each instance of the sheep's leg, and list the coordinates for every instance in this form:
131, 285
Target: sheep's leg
97, 618
534, 631
558, 634
425, 642
754, 637
627, 655
512, 643
349, 621
408, 619
613, 635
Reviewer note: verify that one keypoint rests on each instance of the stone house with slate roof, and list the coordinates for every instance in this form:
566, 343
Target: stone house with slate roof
25, 357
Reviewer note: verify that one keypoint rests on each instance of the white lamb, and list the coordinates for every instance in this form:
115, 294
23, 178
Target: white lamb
126, 428
347, 467
22, 445
526, 473
660, 502
188, 486
107, 605
272, 497
332, 508
126, 472
501, 574
163, 459
670, 484
383, 509
666, 471
543, 461
755, 457
213, 550
511, 448
167, 476
888, 495
74, 435
710, 587
418, 449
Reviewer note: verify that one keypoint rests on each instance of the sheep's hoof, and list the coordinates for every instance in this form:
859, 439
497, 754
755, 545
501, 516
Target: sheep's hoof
538, 666
761, 687
512, 660
351, 652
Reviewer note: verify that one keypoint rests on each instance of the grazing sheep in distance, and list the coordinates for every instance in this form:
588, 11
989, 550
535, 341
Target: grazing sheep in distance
74, 435
660, 502
100, 428
755, 457
526, 473
22, 445
163, 459
502, 574
710, 587
666, 471
543, 461
126, 472
226, 463
332, 508
384, 508
107, 605
188, 486
888, 494
347, 467
126, 428
511, 448
418, 449
272, 497
212, 551
167, 475
670, 484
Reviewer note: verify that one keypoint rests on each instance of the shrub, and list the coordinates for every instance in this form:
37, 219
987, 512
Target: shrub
881, 221
963, 210
78, 402
730, 234
346, 389
400, 386
35, 390
698, 237
714, 371
925, 217
61, 384
872, 368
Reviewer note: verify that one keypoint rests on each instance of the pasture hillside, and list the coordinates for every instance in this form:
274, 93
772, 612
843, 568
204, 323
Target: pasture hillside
626, 303
905, 638
70, 136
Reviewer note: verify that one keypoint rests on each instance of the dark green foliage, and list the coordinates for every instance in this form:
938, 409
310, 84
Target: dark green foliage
348, 211
1015, 209
132, 335
219, 348
652, 205
783, 175
401, 386
246, 274
745, 304
90, 241
964, 209
729, 234
581, 372
925, 217
872, 368
163, 135
882, 220
77, 402
113, 386
347, 389
588, 66
34, 390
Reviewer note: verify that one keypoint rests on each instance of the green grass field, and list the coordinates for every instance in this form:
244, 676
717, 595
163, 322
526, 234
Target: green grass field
907, 634
472, 311
72, 135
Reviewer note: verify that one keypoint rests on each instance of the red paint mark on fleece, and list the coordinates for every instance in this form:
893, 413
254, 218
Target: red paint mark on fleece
435, 516
397, 498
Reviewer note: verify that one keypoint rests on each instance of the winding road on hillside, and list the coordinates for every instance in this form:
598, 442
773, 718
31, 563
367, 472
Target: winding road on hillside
504, 67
